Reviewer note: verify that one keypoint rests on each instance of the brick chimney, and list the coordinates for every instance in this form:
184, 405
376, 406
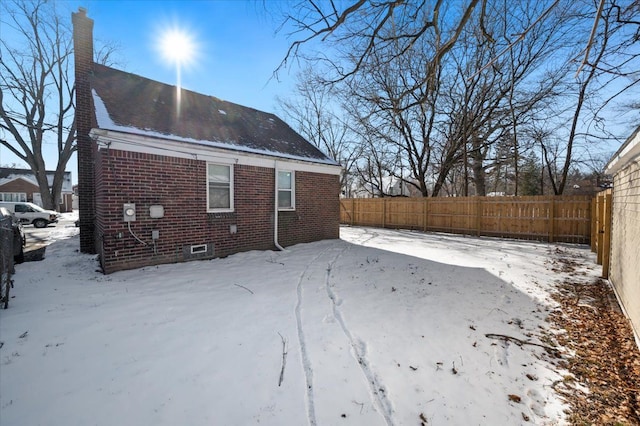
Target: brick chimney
83, 53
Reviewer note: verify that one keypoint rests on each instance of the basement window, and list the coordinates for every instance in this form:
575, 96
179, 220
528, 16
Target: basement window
199, 249
219, 188
286, 190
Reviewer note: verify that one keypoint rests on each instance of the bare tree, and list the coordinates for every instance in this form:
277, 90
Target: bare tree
457, 114
526, 58
368, 27
481, 72
37, 88
517, 86
36, 94
401, 120
590, 80
366, 24
372, 171
314, 113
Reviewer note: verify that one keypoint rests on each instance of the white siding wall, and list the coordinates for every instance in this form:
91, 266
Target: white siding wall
624, 270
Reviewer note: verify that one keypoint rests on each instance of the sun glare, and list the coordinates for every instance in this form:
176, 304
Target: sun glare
177, 46
179, 49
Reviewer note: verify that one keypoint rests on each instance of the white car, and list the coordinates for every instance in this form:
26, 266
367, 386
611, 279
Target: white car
31, 214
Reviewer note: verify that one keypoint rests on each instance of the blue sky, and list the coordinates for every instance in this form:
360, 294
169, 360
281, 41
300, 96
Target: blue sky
237, 48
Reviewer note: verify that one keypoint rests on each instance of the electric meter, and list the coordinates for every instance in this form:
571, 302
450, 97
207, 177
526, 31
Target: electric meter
129, 212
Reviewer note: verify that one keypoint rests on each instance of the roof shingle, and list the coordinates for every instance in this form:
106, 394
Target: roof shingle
146, 106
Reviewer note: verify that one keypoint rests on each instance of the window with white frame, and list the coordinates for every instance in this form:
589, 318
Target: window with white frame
13, 196
219, 187
286, 190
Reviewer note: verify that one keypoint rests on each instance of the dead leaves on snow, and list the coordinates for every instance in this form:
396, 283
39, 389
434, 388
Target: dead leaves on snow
514, 398
604, 385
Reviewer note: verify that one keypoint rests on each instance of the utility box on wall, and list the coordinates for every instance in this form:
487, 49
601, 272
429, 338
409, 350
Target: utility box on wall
156, 212
129, 212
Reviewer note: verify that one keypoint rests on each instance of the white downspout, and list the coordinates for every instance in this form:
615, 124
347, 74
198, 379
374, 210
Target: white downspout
275, 213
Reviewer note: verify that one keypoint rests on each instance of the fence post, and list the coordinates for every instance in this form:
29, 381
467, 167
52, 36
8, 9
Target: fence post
601, 225
353, 211
552, 214
426, 213
606, 237
594, 224
384, 212
478, 215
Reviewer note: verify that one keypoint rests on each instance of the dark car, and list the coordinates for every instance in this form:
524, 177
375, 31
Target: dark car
19, 239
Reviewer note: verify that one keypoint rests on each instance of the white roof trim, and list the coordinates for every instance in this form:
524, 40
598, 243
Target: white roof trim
109, 139
627, 153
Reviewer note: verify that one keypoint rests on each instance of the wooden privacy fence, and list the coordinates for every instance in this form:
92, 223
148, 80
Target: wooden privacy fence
601, 229
554, 218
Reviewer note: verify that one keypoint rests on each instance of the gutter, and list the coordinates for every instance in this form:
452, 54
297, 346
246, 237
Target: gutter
275, 214
629, 150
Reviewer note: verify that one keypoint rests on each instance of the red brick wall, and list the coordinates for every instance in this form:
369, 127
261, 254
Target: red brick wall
83, 54
317, 213
179, 185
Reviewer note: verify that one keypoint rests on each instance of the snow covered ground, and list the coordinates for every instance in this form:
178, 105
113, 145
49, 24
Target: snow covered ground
380, 327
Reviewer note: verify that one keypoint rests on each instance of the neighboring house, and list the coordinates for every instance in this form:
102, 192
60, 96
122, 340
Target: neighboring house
396, 187
21, 185
360, 190
624, 268
169, 175
74, 198
587, 186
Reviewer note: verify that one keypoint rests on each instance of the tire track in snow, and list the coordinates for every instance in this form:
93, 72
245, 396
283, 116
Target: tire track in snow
306, 362
359, 351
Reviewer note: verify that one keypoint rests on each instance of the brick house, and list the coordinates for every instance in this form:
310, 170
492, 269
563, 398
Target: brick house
21, 185
169, 175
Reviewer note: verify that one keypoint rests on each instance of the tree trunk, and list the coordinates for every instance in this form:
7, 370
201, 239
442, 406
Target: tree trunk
477, 166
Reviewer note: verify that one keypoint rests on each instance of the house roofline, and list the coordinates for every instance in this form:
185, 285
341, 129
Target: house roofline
204, 151
29, 172
104, 122
28, 176
629, 150
7, 180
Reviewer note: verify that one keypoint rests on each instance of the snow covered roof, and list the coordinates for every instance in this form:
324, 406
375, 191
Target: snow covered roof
9, 174
128, 103
8, 179
629, 150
